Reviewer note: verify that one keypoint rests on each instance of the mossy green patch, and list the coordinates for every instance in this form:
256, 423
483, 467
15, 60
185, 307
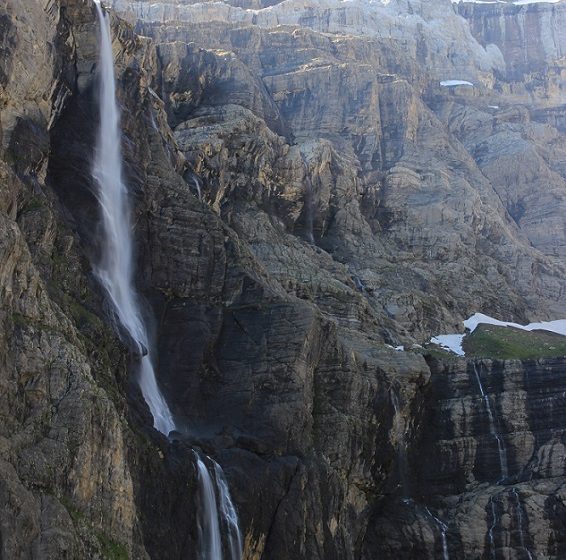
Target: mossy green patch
508, 343
111, 550
76, 515
437, 352
35, 203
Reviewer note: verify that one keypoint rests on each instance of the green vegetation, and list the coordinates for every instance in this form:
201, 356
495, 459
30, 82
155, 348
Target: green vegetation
75, 514
35, 203
111, 549
430, 350
508, 343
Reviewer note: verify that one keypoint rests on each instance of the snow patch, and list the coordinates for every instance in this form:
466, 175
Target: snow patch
452, 83
558, 326
453, 342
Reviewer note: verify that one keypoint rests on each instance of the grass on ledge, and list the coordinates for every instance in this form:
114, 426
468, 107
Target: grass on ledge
509, 343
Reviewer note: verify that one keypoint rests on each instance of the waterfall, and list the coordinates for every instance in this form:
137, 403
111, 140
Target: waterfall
196, 183
115, 269
520, 523
115, 272
229, 515
216, 515
443, 528
209, 528
492, 429
491, 530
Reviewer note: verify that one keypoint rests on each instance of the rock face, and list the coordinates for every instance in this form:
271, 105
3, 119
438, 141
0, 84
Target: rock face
307, 196
358, 100
492, 437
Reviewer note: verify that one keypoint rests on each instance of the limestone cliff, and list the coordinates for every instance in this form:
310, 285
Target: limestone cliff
307, 196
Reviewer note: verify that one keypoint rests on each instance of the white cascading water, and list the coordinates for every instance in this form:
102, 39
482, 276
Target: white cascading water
520, 523
115, 269
217, 515
228, 515
115, 272
491, 530
492, 429
443, 528
210, 538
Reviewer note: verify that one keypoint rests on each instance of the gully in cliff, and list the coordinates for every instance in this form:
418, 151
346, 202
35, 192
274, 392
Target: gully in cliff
218, 522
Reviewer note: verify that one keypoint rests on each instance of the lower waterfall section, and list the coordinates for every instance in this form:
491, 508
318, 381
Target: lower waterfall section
210, 541
219, 533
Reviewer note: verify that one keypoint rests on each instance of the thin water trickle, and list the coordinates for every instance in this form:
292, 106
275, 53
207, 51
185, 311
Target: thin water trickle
309, 203
196, 183
115, 268
492, 429
491, 530
443, 528
520, 523
400, 441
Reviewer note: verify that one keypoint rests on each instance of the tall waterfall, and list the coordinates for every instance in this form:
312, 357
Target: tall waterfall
115, 269
217, 515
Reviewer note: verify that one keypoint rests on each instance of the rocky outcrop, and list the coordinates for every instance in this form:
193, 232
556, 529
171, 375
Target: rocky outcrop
531, 38
364, 97
493, 476
276, 389
66, 484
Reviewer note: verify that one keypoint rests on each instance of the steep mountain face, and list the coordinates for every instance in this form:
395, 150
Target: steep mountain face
493, 476
355, 88
307, 196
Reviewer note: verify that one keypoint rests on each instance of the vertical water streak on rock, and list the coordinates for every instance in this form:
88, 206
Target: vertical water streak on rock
229, 516
210, 540
520, 523
400, 443
443, 528
491, 530
115, 269
492, 429
196, 183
